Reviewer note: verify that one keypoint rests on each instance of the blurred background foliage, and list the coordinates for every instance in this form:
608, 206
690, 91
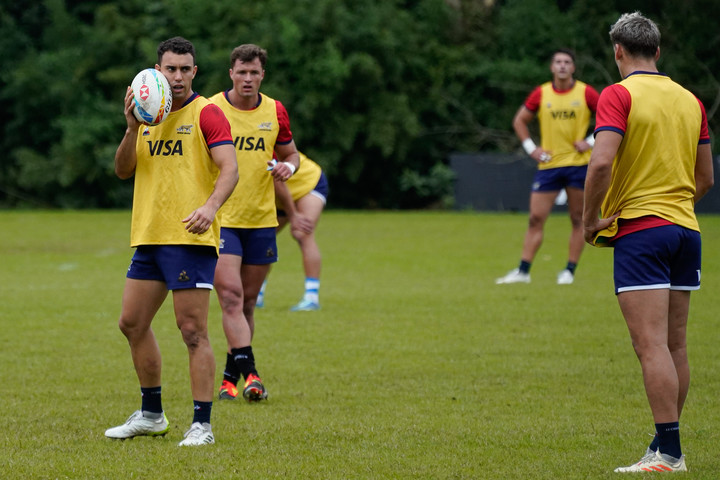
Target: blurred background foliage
379, 92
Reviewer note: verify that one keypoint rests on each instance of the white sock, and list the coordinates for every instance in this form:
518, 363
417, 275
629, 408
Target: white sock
262, 288
312, 288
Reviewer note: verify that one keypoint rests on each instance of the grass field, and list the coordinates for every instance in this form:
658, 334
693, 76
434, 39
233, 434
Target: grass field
417, 366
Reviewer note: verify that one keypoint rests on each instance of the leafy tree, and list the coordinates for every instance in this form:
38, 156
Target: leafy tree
379, 92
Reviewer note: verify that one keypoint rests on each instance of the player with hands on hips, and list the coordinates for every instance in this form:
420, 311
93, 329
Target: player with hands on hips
563, 107
651, 164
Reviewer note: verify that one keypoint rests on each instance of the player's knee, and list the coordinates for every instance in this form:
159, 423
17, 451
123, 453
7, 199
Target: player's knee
648, 349
130, 328
230, 297
536, 221
193, 335
576, 218
249, 305
677, 346
299, 235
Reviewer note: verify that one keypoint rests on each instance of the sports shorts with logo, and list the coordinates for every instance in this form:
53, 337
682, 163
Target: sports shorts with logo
661, 257
256, 246
554, 179
178, 266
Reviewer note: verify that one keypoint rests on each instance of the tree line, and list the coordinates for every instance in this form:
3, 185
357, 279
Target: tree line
379, 92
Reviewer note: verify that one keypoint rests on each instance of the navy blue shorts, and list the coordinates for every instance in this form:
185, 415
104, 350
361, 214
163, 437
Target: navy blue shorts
321, 190
660, 257
555, 179
178, 266
257, 246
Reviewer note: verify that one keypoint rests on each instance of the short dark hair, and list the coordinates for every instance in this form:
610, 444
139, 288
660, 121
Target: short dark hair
176, 45
247, 53
566, 51
638, 35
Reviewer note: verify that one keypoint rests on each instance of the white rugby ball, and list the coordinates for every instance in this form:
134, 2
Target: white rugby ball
153, 97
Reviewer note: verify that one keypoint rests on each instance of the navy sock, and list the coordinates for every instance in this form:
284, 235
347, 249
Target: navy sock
571, 267
151, 400
524, 266
202, 411
231, 373
655, 443
245, 360
669, 438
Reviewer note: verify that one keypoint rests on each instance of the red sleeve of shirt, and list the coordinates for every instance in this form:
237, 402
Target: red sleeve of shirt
532, 102
215, 126
704, 132
284, 134
591, 98
613, 109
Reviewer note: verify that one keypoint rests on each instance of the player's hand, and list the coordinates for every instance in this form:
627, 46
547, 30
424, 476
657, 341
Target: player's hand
590, 228
540, 155
200, 220
301, 224
280, 170
132, 122
582, 146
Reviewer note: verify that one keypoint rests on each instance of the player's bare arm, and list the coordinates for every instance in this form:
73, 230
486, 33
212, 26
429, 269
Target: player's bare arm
282, 193
520, 123
704, 178
287, 155
298, 221
200, 220
582, 145
597, 183
126, 155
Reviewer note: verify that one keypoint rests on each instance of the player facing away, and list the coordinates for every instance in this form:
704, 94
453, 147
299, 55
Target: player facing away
300, 201
650, 166
176, 233
564, 107
260, 126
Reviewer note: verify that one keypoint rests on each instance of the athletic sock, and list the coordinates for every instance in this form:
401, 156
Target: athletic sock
261, 294
312, 289
524, 266
244, 360
655, 443
231, 373
151, 400
669, 438
202, 411
571, 267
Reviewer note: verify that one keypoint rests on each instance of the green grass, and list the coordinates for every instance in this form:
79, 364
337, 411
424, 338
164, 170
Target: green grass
417, 366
